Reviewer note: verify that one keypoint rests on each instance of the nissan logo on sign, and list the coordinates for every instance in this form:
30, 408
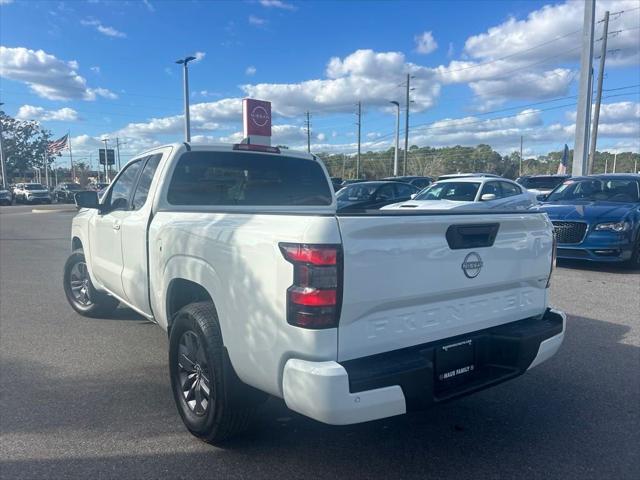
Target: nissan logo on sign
260, 116
256, 118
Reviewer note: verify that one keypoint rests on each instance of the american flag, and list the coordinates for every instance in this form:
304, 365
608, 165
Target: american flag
562, 166
57, 146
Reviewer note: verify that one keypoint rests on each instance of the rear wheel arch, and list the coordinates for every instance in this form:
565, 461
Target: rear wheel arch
76, 244
180, 293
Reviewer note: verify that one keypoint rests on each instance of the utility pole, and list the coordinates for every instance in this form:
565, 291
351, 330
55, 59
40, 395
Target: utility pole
596, 113
395, 155
406, 126
520, 169
3, 170
307, 125
187, 119
615, 159
359, 124
106, 160
118, 151
583, 114
606, 164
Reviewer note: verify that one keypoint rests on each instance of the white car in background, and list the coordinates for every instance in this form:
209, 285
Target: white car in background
470, 193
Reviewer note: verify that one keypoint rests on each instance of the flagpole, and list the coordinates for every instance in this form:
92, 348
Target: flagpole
46, 166
73, 168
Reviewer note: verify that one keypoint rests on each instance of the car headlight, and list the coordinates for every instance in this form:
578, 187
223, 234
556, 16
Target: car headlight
614, 226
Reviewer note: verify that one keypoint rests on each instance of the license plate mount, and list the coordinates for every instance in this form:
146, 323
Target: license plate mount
455, 363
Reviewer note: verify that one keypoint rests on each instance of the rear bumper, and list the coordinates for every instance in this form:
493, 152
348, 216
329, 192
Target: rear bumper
393, 383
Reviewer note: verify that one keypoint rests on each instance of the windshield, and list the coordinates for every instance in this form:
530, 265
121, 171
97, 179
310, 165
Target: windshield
542, 183
459, 191
356, 192
603, 190
34, 186
73, 186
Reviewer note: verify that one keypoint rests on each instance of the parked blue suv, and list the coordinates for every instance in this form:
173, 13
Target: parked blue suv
597, 218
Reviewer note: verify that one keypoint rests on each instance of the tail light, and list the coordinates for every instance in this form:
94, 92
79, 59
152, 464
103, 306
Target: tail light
554, 256
314, 299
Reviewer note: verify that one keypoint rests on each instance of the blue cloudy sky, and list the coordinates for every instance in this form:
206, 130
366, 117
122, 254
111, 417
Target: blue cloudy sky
485, 72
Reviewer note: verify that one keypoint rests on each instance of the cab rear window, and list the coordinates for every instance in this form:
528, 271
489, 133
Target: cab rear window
239, 178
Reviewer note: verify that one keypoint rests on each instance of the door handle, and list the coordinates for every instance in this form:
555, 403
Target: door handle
116, 226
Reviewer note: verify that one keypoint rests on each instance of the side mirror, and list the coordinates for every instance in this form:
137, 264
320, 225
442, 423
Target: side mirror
542, 197
87, 199
413, 195
487, 197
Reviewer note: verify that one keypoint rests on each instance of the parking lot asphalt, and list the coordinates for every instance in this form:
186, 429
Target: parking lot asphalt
90, 398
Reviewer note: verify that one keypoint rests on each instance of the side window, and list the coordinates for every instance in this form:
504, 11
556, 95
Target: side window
421, 183
121, 189
144, 183
509, 189
385, 192
491, 187
404, 191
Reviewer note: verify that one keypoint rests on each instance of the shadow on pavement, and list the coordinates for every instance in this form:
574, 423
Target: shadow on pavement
572, 417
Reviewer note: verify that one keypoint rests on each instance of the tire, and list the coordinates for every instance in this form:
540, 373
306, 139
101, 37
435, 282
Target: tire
81, 295
198, 362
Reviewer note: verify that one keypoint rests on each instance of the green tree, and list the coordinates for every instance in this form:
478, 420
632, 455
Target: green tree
24, 144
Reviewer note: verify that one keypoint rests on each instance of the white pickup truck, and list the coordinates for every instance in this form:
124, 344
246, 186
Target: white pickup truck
238, 252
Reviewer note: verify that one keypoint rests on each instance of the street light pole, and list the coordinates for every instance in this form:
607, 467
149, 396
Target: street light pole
187, 121
395, 155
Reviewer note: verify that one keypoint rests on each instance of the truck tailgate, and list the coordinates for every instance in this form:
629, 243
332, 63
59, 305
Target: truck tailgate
407, 282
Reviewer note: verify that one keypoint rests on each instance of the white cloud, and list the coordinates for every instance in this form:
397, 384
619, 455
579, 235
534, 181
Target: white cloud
451, 50
105, 30
149, 6
204, 116
551, 22
30, 112
254, 20
277, 4
321, 137
199, 55
95, 70
614, 112
527, 58
425, 43
526, 85
5, 2
251, 70
46, 75
365, 75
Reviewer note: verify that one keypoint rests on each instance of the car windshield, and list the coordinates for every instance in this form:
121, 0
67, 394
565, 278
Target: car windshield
460, 191
542, 183
597, 189
357, 192
34, 186
73, 186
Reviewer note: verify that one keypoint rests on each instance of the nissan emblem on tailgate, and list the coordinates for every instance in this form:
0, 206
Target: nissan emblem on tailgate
472, 265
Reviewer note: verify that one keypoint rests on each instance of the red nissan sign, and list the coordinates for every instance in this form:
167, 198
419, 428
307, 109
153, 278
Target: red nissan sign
256, 117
